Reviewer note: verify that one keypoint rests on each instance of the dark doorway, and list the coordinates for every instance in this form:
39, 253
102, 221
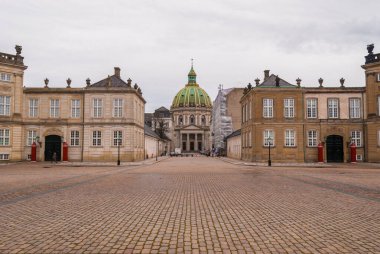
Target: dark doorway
334, 148
52, 144
199, 146
184, 146
191, 146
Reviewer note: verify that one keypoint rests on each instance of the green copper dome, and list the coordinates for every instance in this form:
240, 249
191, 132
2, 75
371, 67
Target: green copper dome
192, 95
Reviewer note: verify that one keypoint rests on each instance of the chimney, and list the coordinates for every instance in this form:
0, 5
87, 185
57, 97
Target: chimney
117, 72
266, 75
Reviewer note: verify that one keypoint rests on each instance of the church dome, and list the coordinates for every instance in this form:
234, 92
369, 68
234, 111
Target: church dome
191, 95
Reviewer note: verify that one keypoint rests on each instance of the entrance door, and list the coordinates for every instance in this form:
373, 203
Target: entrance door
52, 144
191, 146
334, 148
199, 146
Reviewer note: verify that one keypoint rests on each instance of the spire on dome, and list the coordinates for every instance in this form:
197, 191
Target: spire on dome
192, 76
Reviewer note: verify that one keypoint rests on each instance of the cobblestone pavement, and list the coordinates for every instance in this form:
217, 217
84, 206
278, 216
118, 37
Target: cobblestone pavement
189, 205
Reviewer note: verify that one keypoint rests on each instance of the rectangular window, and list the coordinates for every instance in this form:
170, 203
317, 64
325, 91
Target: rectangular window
250, 139
97, 104
75, 108
378, 105
74, 138
243, 114
267, 108
32, 134
311, 108
288, 108
4, 156
378, 137
333, 108
312, 138
5, 77
5, 105
4, 137
117, 107
96, 138
117, 138
356, 138
54, 108
268, 134
354, 105
290, 138
33, 107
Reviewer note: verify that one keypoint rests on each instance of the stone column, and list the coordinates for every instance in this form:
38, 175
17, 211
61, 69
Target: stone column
196, 142
188, 142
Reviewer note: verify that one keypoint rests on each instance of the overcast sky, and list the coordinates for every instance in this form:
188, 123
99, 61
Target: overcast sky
232, 41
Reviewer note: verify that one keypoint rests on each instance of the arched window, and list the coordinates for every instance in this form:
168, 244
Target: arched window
192, 120
203, 120
180, 120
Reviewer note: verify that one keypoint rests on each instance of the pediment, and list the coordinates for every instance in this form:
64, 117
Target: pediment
191, 127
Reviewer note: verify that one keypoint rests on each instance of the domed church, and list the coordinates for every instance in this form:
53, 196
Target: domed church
191, 111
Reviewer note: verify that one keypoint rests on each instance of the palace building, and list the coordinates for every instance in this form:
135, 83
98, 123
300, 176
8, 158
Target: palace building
191, 112
295, 120
98, 122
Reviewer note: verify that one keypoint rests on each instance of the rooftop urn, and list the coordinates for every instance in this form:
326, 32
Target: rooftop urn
298, 80
68, 81
129, 82
18, 49
257, 81
135, 86
46, 83
249, 86
320, 81
342, 82
88, 81
370, 48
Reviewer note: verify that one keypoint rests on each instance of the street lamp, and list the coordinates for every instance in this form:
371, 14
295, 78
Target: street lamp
118, 151
269, 140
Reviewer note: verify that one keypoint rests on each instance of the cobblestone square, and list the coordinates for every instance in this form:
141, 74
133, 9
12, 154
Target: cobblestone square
189, 205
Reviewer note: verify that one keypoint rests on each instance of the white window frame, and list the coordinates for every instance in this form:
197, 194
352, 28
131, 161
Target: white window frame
333, 108
267, 108
32, 134
289, 108
118, 107
74, 138
117, 137
33, 107
5, 105
54, 108
4, 157
354, 107
312, 140
5, 137
75, 108
97, 104
312, 108
266, 134
290, 138
356, 138
96, 138
5, 77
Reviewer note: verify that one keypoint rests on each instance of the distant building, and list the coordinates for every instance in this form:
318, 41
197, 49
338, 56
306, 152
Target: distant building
89, 123
226, 115
294, 120
233, 142
191, 113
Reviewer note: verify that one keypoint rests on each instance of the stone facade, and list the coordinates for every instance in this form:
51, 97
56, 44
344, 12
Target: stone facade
297, 119
90, 120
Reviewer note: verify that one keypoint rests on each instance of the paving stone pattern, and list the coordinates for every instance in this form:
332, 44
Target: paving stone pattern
189, 205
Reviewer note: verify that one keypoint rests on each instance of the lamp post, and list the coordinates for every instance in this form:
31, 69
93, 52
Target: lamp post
269, 140
118, 151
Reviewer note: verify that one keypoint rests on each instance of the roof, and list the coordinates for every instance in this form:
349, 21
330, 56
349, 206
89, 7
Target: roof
271, 82
112, 81
234, 134
149, 132
162, 109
